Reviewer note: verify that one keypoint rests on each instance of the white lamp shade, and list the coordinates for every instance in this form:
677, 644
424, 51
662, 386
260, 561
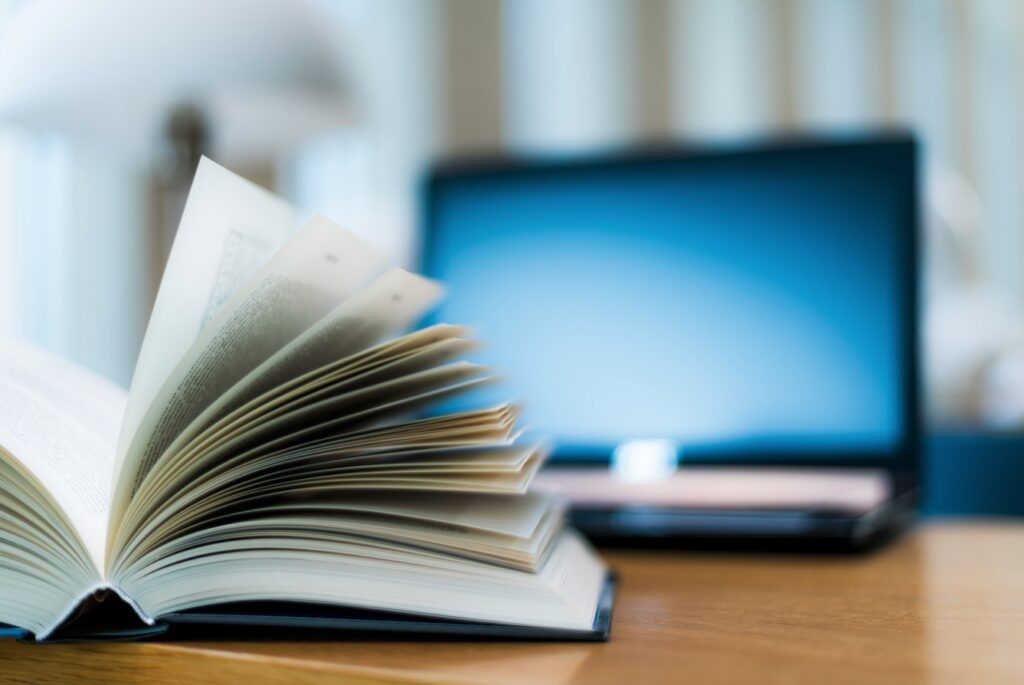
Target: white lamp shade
261, 72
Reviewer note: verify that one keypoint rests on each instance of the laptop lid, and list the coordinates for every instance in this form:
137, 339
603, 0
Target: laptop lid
748, 305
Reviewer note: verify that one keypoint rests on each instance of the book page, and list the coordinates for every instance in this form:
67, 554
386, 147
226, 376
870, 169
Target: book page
563, 593
229, 229
390, 303
317, 269
61, 423
510, 516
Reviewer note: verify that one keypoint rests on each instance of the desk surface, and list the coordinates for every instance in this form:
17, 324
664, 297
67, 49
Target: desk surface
945, 604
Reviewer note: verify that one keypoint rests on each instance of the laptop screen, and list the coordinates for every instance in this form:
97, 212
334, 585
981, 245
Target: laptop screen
735, 304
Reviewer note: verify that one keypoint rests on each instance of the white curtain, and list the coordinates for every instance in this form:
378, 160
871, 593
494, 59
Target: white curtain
73, 252
571, 75
73, 255
365, 175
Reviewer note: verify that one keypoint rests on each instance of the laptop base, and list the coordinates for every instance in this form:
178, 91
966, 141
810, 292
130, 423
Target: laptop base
771, 509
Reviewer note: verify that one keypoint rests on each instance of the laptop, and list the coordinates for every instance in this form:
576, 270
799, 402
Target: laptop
720, 342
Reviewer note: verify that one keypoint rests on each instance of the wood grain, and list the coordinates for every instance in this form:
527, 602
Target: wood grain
945, 604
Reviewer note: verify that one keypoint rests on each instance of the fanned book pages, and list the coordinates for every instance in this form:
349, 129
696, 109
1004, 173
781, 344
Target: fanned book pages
277, 461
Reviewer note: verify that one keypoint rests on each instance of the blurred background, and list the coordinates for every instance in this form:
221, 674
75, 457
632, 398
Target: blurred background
342, 105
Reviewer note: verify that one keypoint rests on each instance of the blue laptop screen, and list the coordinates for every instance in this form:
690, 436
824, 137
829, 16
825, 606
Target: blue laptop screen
743, 301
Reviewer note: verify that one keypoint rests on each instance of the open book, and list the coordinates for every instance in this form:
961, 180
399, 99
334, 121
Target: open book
276, 462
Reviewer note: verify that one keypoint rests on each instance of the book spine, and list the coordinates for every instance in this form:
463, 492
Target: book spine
85, 595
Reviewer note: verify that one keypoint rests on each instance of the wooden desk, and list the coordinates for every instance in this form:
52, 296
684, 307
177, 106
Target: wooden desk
946, 604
